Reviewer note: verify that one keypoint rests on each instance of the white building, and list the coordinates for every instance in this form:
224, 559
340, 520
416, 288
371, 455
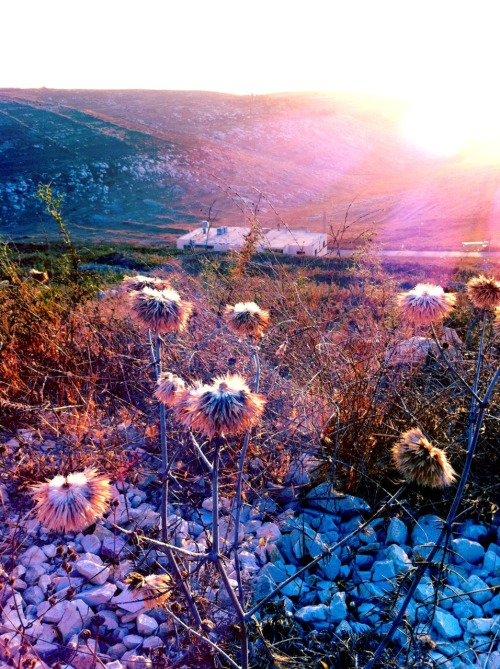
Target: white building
224, 238
475, 246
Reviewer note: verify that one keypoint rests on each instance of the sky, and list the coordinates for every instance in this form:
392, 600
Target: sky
389, 47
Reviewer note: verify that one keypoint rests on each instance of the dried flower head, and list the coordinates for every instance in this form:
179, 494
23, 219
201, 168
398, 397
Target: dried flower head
72, 503
426, 303
37, 275
247, 319
421, 462
139, 282
227, 407
484, 292
161, 310
169, 388
153, 590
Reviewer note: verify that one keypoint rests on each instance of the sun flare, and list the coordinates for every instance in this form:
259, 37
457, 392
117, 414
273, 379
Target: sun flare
447, 125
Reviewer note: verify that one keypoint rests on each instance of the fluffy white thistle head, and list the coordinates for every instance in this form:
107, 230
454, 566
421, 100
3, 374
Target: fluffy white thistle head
72, 503
426, 303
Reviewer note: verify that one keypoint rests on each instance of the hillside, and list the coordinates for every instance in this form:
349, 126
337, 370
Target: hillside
142, 166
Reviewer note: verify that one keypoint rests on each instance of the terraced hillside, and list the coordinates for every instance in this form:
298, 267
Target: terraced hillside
143, 166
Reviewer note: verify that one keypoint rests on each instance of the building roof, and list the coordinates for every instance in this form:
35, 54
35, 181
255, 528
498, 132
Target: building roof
271, 237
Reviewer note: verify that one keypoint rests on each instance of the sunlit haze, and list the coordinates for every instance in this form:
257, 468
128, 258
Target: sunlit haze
443, 56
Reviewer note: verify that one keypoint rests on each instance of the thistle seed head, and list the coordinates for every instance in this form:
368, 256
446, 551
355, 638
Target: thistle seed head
72, 503
169, 389
484, 292
139, 282
227, 407
246, 319
161, 310
420, 462
426, 303
154, 590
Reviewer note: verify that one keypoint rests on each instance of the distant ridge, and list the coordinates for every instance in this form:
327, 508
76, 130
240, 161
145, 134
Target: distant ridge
136, 165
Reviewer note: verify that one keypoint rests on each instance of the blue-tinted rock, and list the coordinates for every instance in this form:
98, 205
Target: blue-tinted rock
467, 550
477, 590
473, 531
363, 562
312, 614
447, 625
425, 590
337, 609
397, 532
324, 497
383, 574
425, 534
329, 567
399, 557
491, 563
479, 626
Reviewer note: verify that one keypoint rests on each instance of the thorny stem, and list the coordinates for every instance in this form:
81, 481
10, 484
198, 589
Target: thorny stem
325, 553
155, 356
475, 425
452, 368
217, 557
202, 455
215, 499
204, 639
239, 484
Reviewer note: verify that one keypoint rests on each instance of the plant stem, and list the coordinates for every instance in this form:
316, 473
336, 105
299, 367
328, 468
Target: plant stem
476, 417
451, 367
215, 499
239, 484
216, 556
164, 452
156, 358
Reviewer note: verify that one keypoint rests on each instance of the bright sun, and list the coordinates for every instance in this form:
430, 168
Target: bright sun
445, 126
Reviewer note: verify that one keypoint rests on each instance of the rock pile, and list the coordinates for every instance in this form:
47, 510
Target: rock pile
55, 593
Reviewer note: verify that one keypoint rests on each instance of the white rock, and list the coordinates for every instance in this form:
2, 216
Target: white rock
269, 532
112, 546
146, 624
35, 572
74, 618
33, 595
248, 561
111, 621
132, 640
91, 557
152, 642
134, 661
117, 650
95, 573
98, 595
44, 582
52, 614
114, 664
129, 601
32, 556
91, 544
49, 550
